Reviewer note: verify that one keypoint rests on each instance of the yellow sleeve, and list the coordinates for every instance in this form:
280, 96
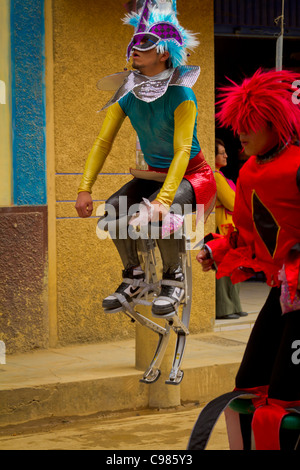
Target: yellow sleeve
184, 117
101, 148
225, 194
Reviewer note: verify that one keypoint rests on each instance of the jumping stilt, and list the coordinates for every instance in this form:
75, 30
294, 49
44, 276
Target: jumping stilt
174, 321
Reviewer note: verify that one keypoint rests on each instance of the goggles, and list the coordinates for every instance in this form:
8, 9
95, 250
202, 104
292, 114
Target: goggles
143, 42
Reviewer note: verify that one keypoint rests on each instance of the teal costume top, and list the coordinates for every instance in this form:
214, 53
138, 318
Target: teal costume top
154, 124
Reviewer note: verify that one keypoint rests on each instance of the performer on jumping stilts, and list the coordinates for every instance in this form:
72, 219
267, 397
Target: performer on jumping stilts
265, 112
157, 97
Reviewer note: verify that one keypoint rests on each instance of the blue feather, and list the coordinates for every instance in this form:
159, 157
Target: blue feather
177, 52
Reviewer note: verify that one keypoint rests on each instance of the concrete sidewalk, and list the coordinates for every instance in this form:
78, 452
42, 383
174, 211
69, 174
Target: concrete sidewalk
86, 379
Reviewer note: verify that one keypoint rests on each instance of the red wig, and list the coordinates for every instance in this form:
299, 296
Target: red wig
264, 98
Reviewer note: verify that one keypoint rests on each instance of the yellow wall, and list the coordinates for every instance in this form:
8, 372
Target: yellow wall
88, 41
198, 16
5, 106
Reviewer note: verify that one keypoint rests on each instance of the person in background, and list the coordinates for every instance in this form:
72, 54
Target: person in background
228, 304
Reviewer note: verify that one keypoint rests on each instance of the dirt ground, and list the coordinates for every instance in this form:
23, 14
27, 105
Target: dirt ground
143, 430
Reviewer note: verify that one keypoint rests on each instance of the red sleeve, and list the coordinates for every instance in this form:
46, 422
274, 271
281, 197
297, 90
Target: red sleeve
242, 236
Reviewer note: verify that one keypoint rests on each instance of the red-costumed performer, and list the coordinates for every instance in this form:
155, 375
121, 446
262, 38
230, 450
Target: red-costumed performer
265, 112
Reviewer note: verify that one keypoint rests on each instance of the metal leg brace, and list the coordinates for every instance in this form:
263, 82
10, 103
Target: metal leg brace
175, 321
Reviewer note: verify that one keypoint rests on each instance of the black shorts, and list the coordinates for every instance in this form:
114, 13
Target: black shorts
271, 354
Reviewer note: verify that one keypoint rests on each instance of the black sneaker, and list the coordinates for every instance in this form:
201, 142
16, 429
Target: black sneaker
171, 294
130, 287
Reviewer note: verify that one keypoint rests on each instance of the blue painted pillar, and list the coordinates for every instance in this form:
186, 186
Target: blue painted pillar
28, 102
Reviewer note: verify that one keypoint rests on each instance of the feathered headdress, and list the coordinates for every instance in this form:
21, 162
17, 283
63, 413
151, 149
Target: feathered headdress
157, 26
267, 97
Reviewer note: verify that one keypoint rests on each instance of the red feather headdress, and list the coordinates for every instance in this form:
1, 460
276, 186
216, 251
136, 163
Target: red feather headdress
267, 97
